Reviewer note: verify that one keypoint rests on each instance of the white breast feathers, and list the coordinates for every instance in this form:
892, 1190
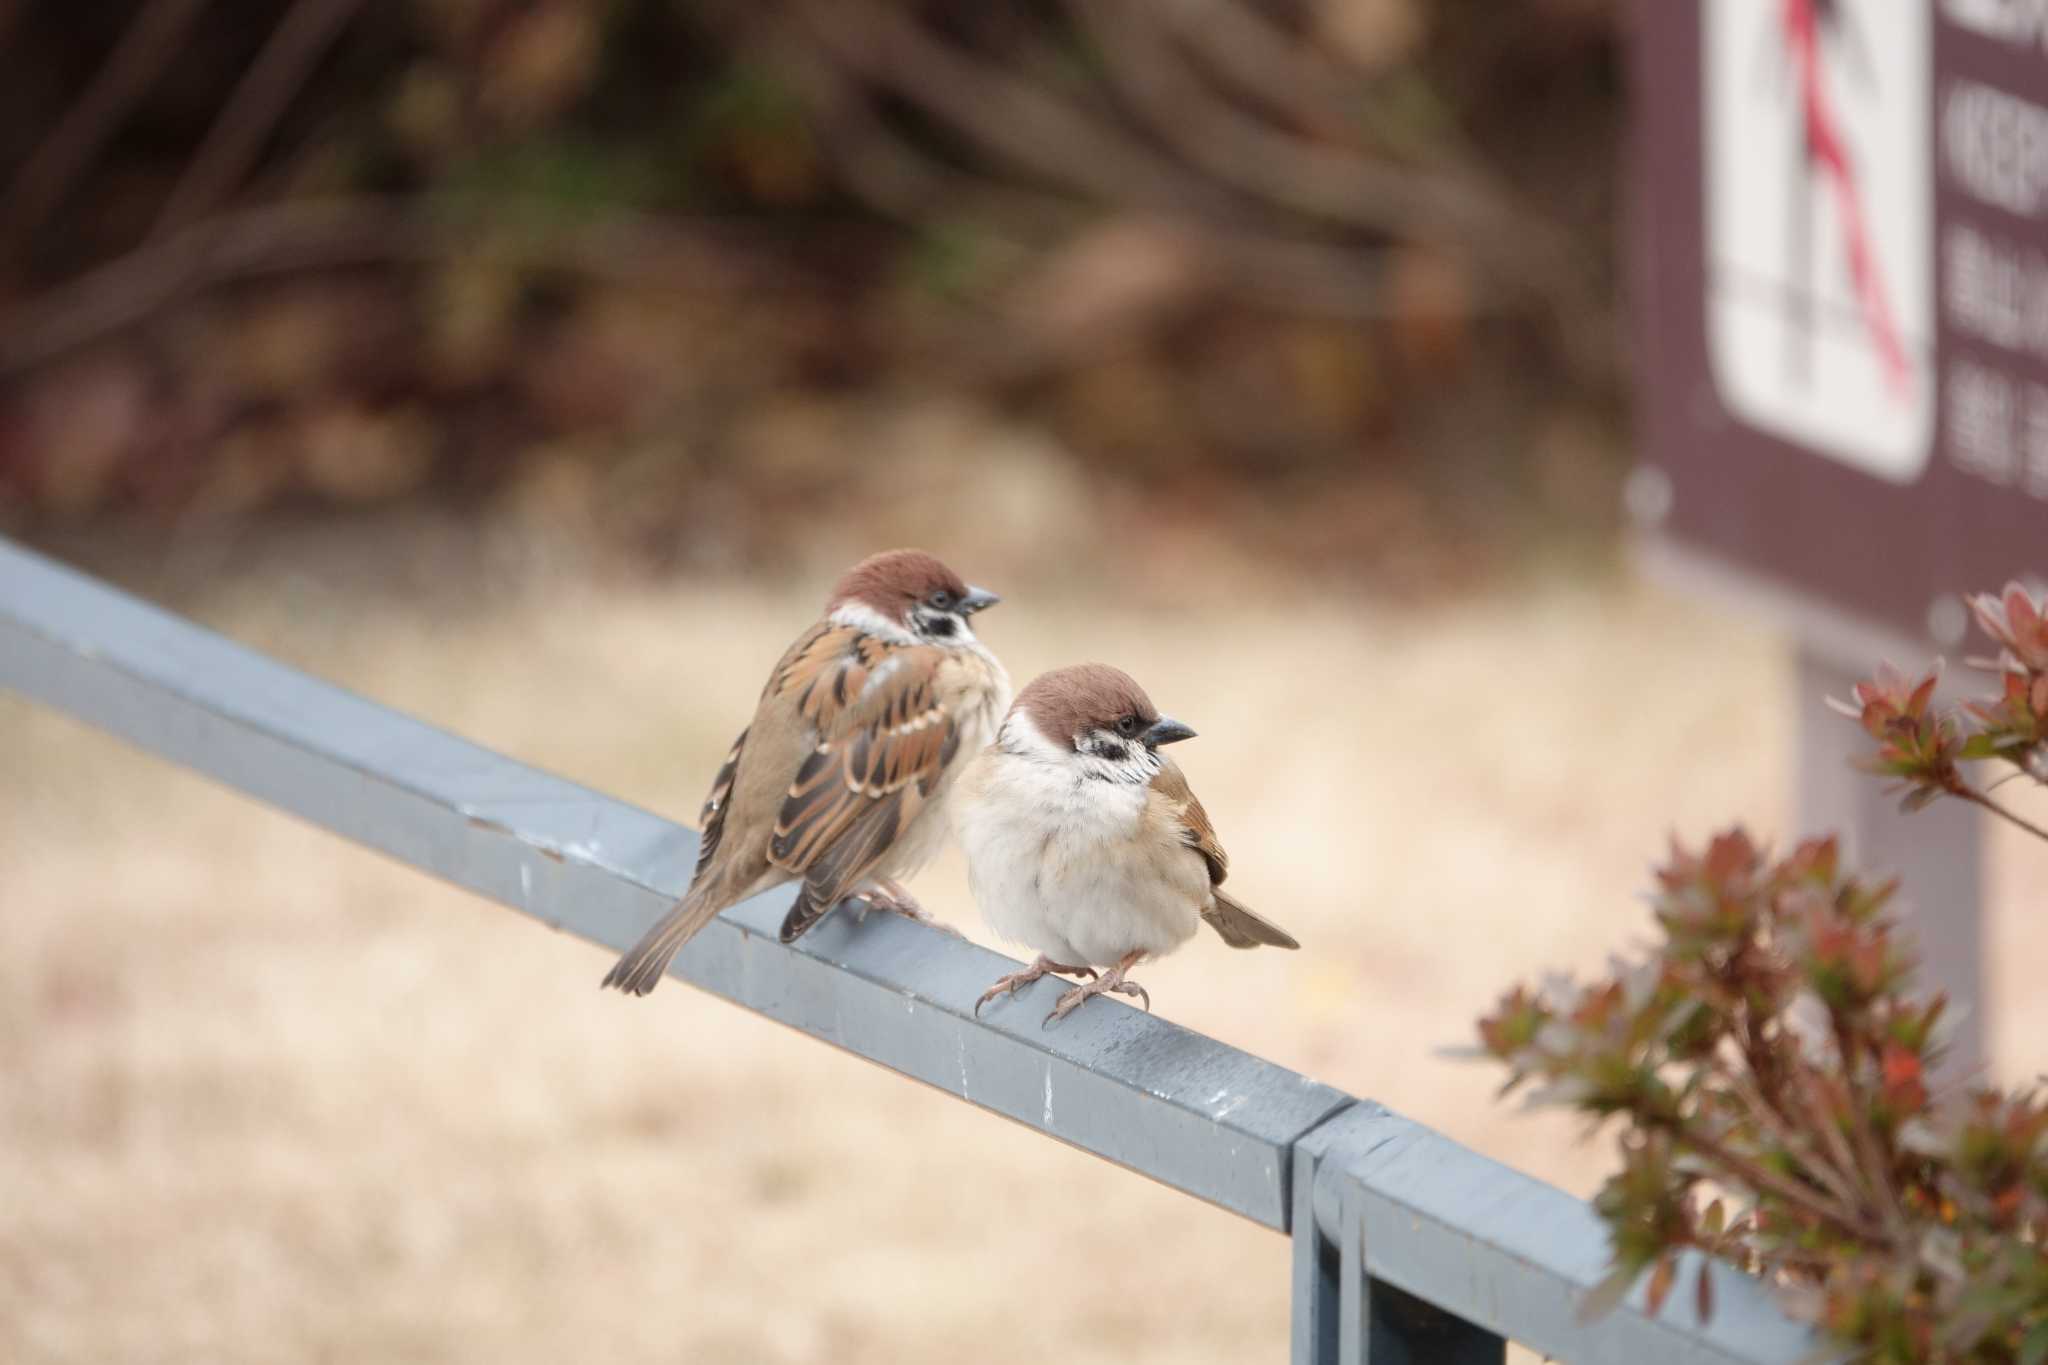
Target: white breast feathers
1065, 861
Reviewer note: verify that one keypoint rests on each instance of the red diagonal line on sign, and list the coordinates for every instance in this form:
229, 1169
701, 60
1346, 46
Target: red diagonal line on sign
1824, 142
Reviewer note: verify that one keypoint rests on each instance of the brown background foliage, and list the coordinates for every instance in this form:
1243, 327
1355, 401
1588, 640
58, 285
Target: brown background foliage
666, 271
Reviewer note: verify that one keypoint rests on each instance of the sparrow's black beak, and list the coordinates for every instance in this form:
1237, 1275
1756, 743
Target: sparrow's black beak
1167, 730
976, 599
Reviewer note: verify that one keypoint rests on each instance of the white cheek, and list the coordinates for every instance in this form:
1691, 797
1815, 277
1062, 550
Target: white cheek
1138, 765
867, 620
1021, 735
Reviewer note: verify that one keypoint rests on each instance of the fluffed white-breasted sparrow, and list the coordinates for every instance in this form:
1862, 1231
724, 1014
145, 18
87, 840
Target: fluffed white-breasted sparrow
841, 780
1084, 841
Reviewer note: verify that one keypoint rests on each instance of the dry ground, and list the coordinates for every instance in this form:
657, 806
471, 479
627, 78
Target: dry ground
268, 1097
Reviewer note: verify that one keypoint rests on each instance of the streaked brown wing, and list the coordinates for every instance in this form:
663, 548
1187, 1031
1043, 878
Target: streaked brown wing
825, 670
883, 741
1238, 924
711, 819
1195, 829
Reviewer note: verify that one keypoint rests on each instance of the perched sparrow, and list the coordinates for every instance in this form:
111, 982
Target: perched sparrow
840, 779
1084, 841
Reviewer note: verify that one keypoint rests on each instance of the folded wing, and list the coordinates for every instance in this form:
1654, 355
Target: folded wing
1236, 923
884, 739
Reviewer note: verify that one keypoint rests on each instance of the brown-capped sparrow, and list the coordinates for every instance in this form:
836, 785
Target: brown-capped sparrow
1084, 841
841, 779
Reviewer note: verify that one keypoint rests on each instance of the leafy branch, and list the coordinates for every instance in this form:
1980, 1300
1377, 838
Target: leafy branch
1926, 747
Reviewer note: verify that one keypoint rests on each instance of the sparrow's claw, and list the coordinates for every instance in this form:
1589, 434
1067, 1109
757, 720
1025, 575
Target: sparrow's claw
918, 913
1107, 985
1072, 1001
1111, 982
890, 898
1008, 985
1017, 981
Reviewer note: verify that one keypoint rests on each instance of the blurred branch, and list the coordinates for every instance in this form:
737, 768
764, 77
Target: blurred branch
1266, 63
1022, 123
237, 136
1977, 798
1297, 175
332, 234
1263, 61
1003, 113
899, 181
147, 46
1275, 207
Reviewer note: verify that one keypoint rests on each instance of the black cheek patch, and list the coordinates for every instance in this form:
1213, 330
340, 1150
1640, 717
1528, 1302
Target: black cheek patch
1114, 753
939, 626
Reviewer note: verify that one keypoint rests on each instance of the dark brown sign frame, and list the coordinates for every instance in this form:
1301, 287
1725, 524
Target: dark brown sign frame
1884, 553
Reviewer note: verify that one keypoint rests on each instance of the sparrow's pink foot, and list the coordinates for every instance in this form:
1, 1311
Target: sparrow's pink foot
1017, 981
1111, 982
891, 898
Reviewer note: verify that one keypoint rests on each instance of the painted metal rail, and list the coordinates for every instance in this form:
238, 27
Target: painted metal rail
1408, 1247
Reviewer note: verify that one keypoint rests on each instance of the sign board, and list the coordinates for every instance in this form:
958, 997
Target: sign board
1843, 288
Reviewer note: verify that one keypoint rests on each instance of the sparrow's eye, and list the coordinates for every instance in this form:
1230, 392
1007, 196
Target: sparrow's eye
1129, 726
941, 599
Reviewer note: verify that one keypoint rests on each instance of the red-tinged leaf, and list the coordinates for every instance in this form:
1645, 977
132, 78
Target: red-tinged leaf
1714, 1221
1902, 1079
1703, 1294
1916, 704
2020, 617
1660, 1283
1731, 856
2037, 700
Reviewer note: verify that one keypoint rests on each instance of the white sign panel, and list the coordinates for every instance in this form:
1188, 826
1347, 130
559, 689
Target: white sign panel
1819, 206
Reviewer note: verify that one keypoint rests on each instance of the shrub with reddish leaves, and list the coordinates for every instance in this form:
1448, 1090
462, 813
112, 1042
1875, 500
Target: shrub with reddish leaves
1769, 1063
1769, 1066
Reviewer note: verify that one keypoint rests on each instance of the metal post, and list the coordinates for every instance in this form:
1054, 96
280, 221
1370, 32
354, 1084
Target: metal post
1316, 1274
1938, 852
1345, 1316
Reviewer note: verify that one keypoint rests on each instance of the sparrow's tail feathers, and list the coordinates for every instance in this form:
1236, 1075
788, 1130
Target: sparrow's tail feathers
646, 962
1243, 927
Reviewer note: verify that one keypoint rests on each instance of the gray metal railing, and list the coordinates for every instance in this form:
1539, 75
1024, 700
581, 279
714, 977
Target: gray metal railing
1408, 1247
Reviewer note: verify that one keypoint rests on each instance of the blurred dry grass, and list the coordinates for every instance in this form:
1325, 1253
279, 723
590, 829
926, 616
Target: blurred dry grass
271, 1098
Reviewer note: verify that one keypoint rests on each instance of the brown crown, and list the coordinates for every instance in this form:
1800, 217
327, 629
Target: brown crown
894, 581
1072, 701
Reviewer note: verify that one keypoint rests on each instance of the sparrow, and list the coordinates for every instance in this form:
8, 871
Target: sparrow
840, 781
1085, 842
